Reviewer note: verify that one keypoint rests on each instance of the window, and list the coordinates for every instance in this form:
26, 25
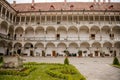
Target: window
52, 7
71, 7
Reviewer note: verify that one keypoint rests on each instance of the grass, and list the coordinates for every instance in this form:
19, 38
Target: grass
46, 71
117, 66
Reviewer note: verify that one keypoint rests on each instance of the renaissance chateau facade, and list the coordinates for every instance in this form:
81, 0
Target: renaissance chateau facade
52, 29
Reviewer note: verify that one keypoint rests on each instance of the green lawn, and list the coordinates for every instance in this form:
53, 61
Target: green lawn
118, 66
45, 71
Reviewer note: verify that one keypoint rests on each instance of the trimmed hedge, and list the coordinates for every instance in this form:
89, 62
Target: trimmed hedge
64, 72
23, 72
66, 61
1, 59
116, 61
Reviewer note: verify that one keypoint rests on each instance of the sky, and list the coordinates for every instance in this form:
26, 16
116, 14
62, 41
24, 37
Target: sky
29, 1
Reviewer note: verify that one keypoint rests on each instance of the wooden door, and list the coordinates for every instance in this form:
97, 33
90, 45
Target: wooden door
54, 53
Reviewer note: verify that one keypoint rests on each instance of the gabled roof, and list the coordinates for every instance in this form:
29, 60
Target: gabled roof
66, 6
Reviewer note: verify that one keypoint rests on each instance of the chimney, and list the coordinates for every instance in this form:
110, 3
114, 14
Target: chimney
104, 1
65, 1
33, 2
94, 1
109, 1
14, 3
99, 2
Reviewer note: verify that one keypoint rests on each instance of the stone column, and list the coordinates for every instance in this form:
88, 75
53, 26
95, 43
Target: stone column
78, 17
30, 18
114, 18
6, 14
25, 17
1, 10
35, 17
99, 17
89, 18
9, 16
109, 18
72, 17
15, 18
12, 17
20, 18
40, 17
45, 19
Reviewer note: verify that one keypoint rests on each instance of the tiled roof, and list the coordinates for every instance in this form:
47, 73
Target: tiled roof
66, 6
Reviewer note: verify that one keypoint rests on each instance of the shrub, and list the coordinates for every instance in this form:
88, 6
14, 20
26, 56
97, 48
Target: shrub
1, 59
115, 61
24, 72
66, 61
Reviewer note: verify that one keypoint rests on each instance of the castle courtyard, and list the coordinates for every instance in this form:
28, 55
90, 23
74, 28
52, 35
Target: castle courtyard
91, 68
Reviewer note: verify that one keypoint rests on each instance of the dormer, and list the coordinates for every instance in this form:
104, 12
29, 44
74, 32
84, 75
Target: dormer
71, 7
111, 7
52, 7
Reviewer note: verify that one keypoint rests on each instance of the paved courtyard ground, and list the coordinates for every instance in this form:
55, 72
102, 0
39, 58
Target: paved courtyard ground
91, 68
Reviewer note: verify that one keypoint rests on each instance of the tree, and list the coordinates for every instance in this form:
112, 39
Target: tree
116, 61
66, 61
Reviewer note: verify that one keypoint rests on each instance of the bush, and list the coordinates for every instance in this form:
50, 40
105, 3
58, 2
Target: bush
24, 72
115, 61
1, 59
66, 61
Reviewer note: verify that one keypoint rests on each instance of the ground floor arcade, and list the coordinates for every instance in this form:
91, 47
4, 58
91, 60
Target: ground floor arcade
82, 49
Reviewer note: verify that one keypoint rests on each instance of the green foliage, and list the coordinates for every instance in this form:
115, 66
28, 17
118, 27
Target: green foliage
1, 59
23, 72
116, 61
65, 72
46, 71
66, 61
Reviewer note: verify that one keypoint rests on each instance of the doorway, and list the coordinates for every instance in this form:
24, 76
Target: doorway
96, 53
31, 53
58, 36
114, 53
92, 36
54, 53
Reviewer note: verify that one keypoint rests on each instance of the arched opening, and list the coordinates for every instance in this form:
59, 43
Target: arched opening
107, 49
84, 48
29, 32
61, 33
11, 31
28, 49
117, 48
96, 47
72, 33
84, 33
73, 49
3, 46
4, 27
39, 33
19, 32
50, 33
105, 33
18, 48
39, 47
116, 32
95, 33
50, 49
60, 49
